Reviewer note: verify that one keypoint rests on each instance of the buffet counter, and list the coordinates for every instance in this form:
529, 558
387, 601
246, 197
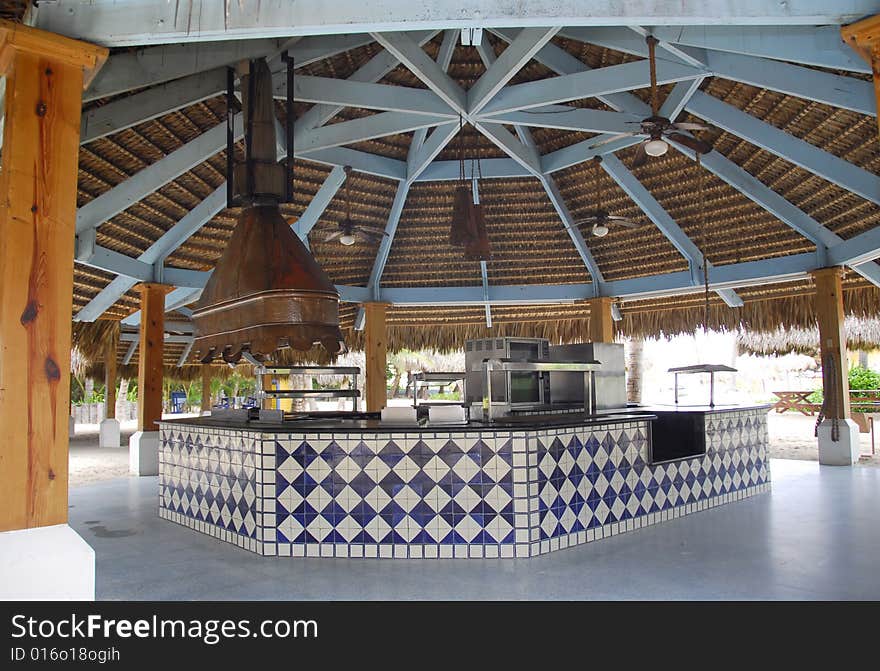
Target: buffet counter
517, 488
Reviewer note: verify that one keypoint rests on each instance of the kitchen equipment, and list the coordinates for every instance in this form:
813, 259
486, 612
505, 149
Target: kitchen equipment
267, 291
264, 394
710, 368
609, 390
493, 410
442, 377
516, 388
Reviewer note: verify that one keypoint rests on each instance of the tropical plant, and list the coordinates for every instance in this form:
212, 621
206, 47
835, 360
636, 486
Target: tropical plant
860, 379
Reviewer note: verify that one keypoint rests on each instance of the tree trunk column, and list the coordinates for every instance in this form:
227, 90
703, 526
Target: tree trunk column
40, 556
838, 435
144, 445
634, 369
109, 430
601, 323
206, 389
375, 354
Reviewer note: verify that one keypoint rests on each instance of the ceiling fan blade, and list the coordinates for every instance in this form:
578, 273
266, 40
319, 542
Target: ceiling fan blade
640, 156
368, 236
690, 126
626, 223
335, 235
693, 143
613, 138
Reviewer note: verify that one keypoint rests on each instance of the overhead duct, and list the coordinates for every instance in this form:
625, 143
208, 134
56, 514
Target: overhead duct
267, 292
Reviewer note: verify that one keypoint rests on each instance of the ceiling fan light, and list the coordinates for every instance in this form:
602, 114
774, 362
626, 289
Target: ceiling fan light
600, 230
656, 147
346, 239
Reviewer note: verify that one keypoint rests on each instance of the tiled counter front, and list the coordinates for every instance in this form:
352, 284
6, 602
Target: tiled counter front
449, 493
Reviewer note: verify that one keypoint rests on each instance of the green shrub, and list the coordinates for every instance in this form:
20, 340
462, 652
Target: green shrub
859, 379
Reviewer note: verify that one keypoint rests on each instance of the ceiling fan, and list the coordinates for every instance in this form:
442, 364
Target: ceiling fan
347, 232
600, 219
658, 128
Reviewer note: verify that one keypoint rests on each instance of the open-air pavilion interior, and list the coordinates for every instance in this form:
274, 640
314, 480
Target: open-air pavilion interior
706, 165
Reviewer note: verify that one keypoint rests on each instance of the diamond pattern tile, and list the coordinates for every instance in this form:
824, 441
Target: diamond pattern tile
460, 493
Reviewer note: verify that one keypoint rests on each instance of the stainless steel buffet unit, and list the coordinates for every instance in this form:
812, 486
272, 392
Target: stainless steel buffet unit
609, 388
443, 377
517, 388
710, 368
494, 409
263, 393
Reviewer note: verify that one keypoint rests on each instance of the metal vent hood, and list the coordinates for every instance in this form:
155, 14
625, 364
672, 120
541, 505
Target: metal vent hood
267, 291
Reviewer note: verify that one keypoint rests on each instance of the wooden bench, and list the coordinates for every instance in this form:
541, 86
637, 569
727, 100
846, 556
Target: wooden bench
795, 400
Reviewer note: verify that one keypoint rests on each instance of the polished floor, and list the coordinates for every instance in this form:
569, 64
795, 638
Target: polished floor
816, 536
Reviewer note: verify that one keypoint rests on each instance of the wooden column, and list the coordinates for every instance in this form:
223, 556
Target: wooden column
832, 339
206, 388
864, 37
601, 324
110, 380
38, 182
375, 351
150, 361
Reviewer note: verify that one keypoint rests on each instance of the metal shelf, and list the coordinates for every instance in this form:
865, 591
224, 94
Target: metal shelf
710, 368
436, 376
352, 393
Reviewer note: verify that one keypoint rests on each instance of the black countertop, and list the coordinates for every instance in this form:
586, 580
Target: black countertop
338, 424
364, 422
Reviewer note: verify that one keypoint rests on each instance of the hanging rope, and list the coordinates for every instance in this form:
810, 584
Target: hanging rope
829, 398
461, 175
701, 213
652, 61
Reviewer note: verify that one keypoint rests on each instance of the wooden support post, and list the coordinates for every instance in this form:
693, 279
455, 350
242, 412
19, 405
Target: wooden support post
206, 388
38, 186
864, 37
375, 351
601, 323
150, 361
110, 380
832, 339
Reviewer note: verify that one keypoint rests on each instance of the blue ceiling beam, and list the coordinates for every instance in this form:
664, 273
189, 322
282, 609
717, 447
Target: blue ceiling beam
372, 71
587, 84
307, 220
112, 23
803, 154
351, 93
840, 91
362, 129
504, 68
816, 44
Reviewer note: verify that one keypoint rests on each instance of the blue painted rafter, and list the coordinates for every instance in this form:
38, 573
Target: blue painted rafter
801, 153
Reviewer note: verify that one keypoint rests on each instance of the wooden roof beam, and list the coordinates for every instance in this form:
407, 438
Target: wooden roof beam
138, 22
588, 84
800, 152
501, 70
662, 220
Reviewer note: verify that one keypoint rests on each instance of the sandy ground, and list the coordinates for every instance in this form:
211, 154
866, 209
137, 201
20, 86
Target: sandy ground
89, 463
791, 437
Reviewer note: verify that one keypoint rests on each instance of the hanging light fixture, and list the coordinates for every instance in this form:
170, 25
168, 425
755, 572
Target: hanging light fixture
600, 230
468, 228
656, 147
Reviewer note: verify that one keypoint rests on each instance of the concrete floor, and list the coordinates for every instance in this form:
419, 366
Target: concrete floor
816, 536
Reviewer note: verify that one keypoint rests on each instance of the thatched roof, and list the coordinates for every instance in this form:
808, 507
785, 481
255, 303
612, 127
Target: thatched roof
863, 334
530, 246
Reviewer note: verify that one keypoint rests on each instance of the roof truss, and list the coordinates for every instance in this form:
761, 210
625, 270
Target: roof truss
751, 55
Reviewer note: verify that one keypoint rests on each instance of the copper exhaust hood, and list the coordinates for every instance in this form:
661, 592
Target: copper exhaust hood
267, 292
